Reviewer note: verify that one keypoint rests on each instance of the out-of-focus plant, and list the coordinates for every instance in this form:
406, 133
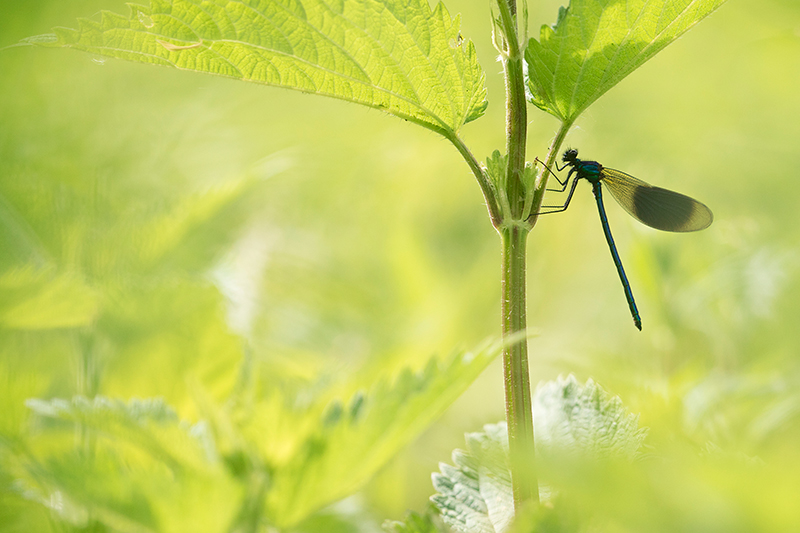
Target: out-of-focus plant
259, 459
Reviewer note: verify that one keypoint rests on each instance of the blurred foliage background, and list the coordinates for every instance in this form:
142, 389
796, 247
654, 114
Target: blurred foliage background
157, 227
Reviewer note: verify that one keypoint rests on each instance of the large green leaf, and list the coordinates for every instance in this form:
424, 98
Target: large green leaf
336, 458
397, 56
596, 43
303, 456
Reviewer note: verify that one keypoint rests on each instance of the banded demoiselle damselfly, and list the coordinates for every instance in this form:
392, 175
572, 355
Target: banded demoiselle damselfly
653, 206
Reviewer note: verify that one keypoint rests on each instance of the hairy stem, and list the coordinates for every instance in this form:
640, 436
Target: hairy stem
519, 411
516, 108
541, 184
514, 233
488, 190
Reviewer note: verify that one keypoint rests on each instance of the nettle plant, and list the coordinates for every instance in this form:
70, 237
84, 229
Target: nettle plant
235, 470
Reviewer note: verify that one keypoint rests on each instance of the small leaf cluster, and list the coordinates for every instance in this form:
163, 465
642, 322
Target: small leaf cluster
497, 170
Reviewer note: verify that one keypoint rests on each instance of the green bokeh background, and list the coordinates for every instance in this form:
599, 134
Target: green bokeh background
360, 244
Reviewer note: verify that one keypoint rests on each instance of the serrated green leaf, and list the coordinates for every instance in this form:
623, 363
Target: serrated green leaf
496, 168
399, 57
336, 458
584, 419
596, 43
475, 495
149, 424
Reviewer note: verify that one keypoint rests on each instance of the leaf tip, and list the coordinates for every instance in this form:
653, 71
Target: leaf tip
42, 40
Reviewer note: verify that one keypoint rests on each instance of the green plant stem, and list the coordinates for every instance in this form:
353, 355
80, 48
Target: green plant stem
514, 233
516, 109
544, 175
488, 190
519, 411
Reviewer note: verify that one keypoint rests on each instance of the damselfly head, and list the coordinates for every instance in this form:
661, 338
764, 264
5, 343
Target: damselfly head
570, 155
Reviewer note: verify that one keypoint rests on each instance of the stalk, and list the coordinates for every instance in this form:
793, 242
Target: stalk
514, 233
519, 411
488, 189
541, 186
516, 108
506, 204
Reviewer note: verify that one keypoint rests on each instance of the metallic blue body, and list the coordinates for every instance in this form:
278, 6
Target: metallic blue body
656, 207
592, 171
598, 195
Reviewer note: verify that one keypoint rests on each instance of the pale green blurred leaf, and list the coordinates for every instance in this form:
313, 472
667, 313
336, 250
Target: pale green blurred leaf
345, 517
42, 299
754, 411
18, 240
596, 43
413, 522
18, 515
125, 285
554, 517
150, 424
584, 419
392, 56
191, 234
475, 495
148, 470
321, 463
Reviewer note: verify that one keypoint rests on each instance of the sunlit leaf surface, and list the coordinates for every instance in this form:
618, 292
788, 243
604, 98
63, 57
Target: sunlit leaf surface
596, 43
397, 56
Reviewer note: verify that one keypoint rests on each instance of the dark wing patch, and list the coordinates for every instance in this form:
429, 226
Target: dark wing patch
656, 207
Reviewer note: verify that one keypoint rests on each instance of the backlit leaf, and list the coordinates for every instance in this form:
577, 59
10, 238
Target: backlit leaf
573, 421
358, 438
596, 43
390, 55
